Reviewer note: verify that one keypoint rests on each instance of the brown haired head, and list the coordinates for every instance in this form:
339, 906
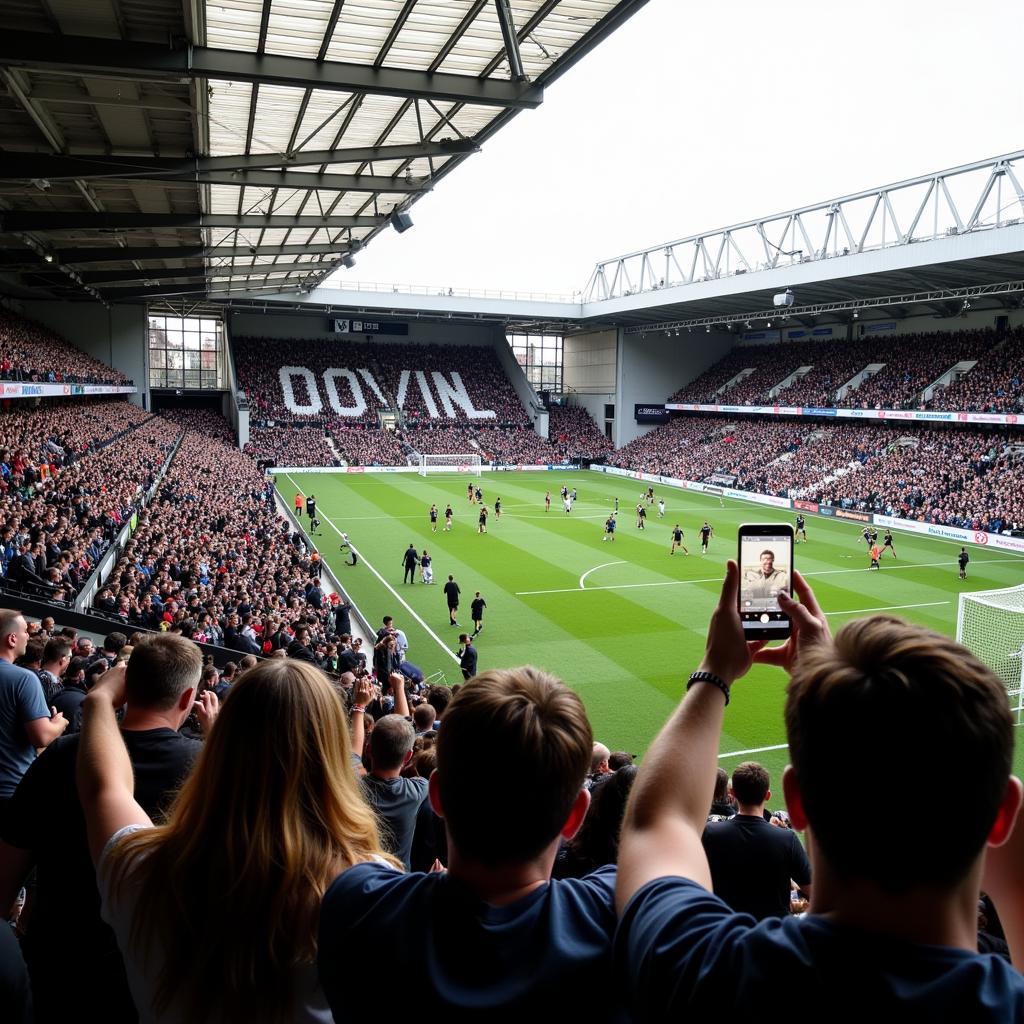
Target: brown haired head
525, 721
883, 698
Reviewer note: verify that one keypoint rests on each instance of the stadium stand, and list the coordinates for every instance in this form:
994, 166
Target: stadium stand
963, 478
910, 364
31, 352
211, 553
71, 473
575, 434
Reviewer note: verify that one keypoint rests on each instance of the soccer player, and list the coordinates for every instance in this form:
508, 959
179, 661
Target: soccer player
661, 508
876, 554
677, 540
314, 526
572, 494
866, 534
482, 528
564, 492
616, 500
609, 529
298, 504
478, 494
801, 528
497, 508
451, 595
433, 519
448, 517
962, 559
706, 533
547, 501
641, 516
476, 610
469, 493
887, 543
567, 502
426, 569
311, 506
650, 495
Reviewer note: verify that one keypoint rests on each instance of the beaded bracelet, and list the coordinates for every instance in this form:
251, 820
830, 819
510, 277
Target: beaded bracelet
709, 677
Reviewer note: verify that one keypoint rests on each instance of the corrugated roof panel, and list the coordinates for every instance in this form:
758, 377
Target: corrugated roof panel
362, 30
233, 24
229, 117
428, 28
297, 27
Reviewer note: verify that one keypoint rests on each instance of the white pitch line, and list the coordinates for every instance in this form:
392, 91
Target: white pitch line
718, 579
603, 565
890, 608
451, 654
753, 750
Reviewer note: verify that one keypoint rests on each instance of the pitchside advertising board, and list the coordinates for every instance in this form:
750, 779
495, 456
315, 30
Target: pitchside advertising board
901, 415
12, 389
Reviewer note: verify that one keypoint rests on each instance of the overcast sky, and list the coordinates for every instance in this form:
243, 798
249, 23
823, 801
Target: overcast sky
693, 116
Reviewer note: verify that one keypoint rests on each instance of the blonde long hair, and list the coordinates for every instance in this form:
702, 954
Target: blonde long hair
231, 886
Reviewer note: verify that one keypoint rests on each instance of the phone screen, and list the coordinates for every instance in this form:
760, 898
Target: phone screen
766, 570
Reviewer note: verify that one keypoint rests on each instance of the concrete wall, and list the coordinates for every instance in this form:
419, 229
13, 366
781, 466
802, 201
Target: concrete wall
589, 361
115, 336
652, 368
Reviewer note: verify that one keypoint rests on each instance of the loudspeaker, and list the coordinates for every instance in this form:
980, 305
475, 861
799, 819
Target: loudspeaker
401, 221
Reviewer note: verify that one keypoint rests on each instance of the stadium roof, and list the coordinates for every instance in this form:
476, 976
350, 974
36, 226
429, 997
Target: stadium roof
159, 148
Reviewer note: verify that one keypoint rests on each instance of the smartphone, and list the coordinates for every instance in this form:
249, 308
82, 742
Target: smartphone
766, 570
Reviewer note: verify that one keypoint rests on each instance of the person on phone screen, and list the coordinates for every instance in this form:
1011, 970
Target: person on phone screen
766, 581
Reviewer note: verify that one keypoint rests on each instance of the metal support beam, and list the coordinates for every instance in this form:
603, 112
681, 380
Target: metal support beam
116, 58
508, 35
103, 278
141, 254
61, 222
68, 94
291, 180
54, 167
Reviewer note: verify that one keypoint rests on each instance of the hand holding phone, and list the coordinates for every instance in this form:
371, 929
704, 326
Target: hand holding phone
766, 570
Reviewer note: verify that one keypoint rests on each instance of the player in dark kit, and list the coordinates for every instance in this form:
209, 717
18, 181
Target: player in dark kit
547, 501
801, 529
476, 610
962, 559
677, 540
433, 519
706, 533
869, 535
497, 508
887, 543
311, 506
482, 528
641, 516
609, 528
478, 494
469, 493
451, 594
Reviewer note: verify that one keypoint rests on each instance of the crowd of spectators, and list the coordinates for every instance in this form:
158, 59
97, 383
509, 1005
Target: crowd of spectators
71, 475
911, 363
31, 352
995, 384
258, 362
212, 556
291, 446
971, 479
575, 434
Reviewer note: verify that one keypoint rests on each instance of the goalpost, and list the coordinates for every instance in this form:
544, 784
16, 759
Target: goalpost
463, 462
990, 624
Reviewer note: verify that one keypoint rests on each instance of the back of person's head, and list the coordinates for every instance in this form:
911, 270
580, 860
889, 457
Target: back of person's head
883, 695
114, 642
57, 648
439, 697
426, 761
526, 721
750, 783
423, 717
160, 670
599, 757
33, 653
721, 786
619, 759
391, 742
597, 842
257, 831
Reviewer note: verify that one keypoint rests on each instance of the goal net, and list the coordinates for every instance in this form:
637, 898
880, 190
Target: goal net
990, 624
463, 462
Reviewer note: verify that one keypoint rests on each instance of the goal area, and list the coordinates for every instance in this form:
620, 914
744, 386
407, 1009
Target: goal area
990, 624
463, 462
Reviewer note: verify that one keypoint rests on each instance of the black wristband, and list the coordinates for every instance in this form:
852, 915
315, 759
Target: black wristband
709, 677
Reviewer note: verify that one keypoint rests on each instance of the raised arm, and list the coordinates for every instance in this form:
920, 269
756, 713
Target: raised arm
106, 785
397, 681
668, 808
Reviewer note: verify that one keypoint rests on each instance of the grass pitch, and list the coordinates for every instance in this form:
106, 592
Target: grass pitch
622, 623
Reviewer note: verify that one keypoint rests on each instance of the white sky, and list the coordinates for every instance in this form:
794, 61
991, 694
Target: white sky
693, 116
